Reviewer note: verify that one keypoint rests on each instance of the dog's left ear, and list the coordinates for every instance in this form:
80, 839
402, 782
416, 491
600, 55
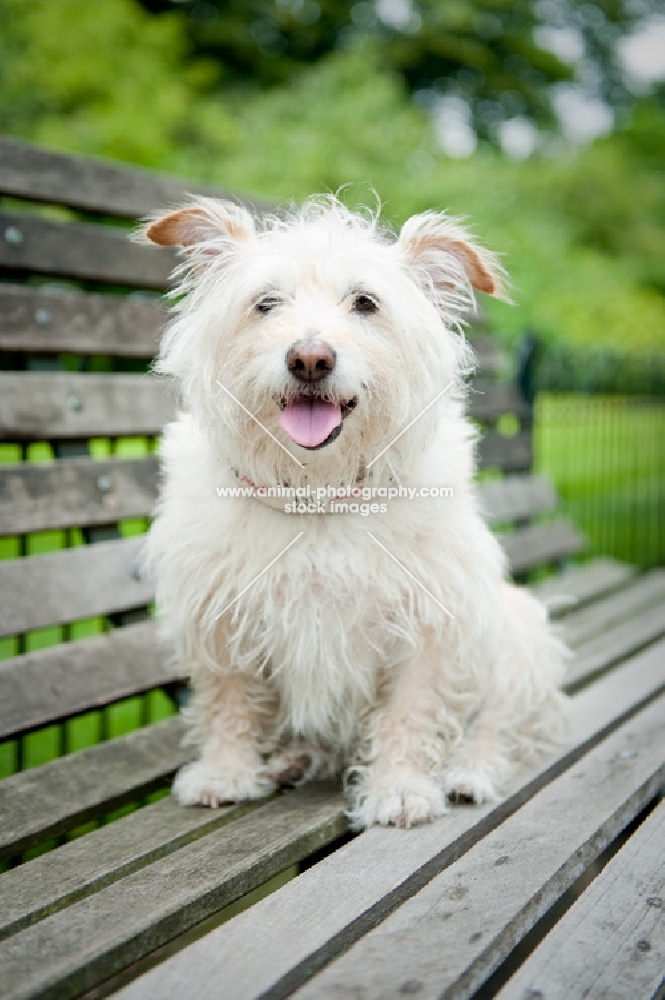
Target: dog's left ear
207, 224
441, 248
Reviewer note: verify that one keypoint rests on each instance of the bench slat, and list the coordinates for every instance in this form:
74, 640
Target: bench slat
516, 498
82, 251
71, 584
94, 938
611, 943
541, 543
44, 801
489, 400
36, 319
457, 930
76, 405
319, 915
106, 186
54, 880
511, 454
637, 595
602, 652
578, 585
36, 406
77, 492
52, 684
67, 493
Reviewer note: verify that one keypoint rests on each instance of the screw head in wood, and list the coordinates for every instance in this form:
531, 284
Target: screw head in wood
13, 236
74, 402
43, 317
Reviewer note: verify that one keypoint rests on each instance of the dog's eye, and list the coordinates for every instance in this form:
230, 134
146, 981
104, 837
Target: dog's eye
267, 303
363, 303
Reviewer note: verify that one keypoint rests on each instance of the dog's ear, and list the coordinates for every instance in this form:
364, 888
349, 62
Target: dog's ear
207, 224
441, 248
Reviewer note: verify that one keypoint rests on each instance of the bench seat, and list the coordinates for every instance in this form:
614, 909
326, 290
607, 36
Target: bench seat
110, 887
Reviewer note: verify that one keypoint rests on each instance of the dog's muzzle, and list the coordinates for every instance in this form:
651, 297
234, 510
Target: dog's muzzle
310, 416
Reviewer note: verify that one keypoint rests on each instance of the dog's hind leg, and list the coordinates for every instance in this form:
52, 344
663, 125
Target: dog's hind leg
300, 761
523, 714
230, 713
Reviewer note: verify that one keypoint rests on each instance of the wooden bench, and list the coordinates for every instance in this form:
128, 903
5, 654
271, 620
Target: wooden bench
435, 911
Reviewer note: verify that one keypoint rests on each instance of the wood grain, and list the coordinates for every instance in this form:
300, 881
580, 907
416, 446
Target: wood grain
459, 928
81, 251
578, 585
75, 949
43, 801
72, 584
318, 916
37, 407
36, 319
611, 944
78, 492
106, 186
61, 681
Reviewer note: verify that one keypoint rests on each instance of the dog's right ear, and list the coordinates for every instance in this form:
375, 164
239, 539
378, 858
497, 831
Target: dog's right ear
207, 225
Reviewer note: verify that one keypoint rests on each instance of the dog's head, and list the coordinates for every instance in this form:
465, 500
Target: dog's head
329, 330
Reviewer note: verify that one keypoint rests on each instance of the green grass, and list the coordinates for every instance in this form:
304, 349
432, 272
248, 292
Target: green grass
605, 456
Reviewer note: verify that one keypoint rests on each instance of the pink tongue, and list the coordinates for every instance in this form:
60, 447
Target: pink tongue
309, 422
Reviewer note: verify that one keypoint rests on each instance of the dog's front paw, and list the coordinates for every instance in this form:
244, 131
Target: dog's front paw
469, 784
207, 783
400, 801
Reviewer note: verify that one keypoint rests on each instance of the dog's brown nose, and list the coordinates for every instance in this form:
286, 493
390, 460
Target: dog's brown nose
310, 360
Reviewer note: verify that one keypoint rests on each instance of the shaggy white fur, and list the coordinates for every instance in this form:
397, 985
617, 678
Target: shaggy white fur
340, 655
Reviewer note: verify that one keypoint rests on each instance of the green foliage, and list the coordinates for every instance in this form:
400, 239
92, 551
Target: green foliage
103, 78
582, 237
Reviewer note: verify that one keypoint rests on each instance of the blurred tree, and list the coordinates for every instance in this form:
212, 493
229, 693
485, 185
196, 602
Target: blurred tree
498, 56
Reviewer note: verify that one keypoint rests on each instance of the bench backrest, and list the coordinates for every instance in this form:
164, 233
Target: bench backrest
80, 318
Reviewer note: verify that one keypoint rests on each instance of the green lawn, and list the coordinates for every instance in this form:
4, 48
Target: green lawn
606, 457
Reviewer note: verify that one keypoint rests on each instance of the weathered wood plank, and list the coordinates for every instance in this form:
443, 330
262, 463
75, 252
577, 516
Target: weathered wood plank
94, 938
489, 400
81, 251
96, 185
577, 585
611, 943
600, 653
77, 492
459, 928
511, 454
36, 319
61, 681
541, 543
319, 915
52, 881
43, 801
36, 406
71, 584
516, 498
636, 596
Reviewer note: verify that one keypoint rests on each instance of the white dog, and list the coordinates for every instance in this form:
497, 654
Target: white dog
308, 350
